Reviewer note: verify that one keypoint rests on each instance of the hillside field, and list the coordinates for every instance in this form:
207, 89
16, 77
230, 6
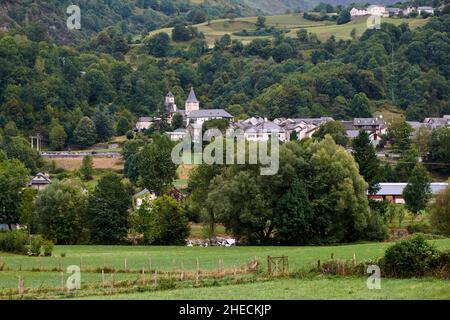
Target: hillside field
215, 29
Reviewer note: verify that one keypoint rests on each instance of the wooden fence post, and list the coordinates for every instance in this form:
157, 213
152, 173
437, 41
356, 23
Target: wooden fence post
269, 266
20, 286
197, 274
125, 264
143, 276
155, 279
103, 278
182, 271
62, 281
111, 281
354, 259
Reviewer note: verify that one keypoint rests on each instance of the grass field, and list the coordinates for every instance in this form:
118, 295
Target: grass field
318, 287
215, 29
40, 273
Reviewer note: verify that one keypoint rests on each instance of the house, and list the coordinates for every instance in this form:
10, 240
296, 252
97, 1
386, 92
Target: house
358, 12
145, 195
302, 129
378, 10
427, 10
40, 181
263, 131
372, 125
394, 11
199, 117
393, 192
140, 197
373, 10
436, 123
144, 123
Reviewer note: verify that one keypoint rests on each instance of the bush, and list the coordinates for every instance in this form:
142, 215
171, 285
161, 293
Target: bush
419, 227
14, 242
35, 245
48, 248
410, 258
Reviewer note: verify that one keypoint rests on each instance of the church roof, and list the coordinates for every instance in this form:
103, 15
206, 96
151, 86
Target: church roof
170, 94
209, 113
192, 97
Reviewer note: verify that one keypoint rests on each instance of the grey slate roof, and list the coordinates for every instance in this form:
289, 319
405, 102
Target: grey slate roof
368, 122
192, 97
209, 113
396, 189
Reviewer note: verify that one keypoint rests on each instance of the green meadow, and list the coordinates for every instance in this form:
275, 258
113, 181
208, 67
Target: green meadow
45, 272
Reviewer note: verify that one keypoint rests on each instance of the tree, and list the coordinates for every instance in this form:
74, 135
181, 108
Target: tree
27, 209
19, 148
58, 137
87, 168
104, 124
84, 134
440, 213
107, 214
261, 22
177, 121
283, 51
366, 157
60, 209
338, 193
182, 33
156, 167
344, 17
123, 126
163, 222
422, 140
400, 133
293, 136
293, 216
158, 45
417, 193
335, 129
439, 152
13, 177
406, 163
242, 205
360, 106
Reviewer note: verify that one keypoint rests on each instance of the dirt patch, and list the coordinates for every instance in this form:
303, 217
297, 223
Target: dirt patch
72, 164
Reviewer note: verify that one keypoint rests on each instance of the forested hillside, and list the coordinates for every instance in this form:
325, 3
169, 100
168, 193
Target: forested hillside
44, 85
47, 18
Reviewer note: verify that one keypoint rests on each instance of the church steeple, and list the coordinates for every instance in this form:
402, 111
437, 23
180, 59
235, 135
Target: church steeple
192, 103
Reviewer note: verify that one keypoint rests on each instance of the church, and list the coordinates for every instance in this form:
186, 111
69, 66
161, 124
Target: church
192, 115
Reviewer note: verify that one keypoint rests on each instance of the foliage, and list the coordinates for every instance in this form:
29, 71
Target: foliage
400, 134
293, 216
158, 45
156, 167
368, 162
438, 149
85, 133
58, 137
107, 213
60, 209
27, 210
417, 193
13, 241
35, 245
87, 168
410, 258
335, 129
440, 213
163, 222
13, 177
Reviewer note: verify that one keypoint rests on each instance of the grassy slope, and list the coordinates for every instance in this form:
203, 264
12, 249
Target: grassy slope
312, 288
324, 29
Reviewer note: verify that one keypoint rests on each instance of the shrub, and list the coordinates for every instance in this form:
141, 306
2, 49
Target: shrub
410, 258
35, 245
48, 248
13, 241
419, 227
